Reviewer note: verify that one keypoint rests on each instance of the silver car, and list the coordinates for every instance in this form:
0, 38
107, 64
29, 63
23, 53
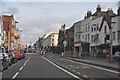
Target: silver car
1, 69
116, 56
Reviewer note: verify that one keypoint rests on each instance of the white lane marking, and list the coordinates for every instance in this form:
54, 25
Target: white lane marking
61, 68
26, 61
97, 67
78, 73
15, 75
85, 76
24, 64
73, 70
21, 68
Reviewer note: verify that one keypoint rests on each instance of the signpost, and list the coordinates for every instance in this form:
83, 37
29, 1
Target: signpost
64, 43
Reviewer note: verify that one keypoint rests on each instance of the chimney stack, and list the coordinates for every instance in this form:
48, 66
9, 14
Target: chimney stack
89, 13
118, 11
98, 9
110, 12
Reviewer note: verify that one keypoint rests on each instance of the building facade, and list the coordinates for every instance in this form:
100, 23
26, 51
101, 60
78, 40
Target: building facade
50, 40
61, 38
9, 26
77, 34
17, 42
94, 29
69, 39
116, 32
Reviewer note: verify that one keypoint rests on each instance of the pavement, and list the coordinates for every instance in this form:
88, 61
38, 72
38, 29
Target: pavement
101, 62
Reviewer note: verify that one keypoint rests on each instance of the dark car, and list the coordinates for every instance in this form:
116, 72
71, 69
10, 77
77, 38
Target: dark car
116, 56
22, 54
12, 57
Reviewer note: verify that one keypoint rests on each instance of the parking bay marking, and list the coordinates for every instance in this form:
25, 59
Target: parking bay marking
97, 67
85, 76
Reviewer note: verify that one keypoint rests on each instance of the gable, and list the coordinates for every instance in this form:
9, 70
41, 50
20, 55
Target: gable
108, 20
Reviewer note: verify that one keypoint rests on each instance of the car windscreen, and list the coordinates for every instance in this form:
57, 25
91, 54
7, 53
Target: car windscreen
117, 53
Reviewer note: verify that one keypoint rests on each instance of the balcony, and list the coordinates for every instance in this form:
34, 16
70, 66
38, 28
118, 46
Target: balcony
17, 36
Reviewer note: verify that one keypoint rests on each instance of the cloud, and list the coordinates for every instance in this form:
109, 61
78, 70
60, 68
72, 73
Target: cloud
39, 18
11, 10
31, 35
59, 0
38, 27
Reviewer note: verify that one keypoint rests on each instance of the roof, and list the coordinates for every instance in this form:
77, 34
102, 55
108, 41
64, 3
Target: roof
108, 20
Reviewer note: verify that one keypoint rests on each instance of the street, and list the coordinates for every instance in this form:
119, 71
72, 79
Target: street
34, 67
53, 66
85, 71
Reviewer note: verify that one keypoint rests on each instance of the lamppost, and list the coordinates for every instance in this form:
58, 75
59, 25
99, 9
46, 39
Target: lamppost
64, 43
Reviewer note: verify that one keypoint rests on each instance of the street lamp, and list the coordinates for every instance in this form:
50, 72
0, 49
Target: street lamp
64, 43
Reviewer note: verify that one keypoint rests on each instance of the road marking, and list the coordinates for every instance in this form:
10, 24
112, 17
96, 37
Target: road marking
78, 73
24, 64
85, 76
61, 68
66, 67
73, 70
86, 67
26, 61
15, 75
30, 53
77, 67
21, 68
97, 67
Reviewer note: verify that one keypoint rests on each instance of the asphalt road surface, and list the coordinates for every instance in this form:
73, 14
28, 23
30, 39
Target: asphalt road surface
36, 66
84, 71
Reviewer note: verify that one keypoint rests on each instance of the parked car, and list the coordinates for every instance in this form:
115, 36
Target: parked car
18, 55
116, 56
22, 54
5, 60
42, 52
1, 69
12, 57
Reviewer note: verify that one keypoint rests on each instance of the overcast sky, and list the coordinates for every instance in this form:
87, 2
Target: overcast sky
38, 17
